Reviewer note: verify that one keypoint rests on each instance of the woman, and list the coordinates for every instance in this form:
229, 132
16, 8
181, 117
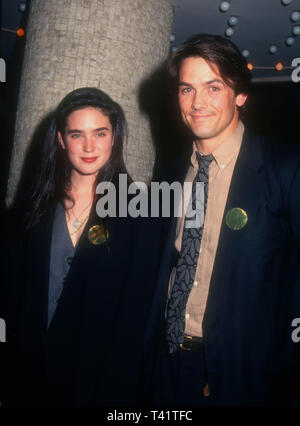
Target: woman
80, 286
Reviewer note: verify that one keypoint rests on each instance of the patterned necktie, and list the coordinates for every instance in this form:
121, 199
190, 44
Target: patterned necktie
188, 257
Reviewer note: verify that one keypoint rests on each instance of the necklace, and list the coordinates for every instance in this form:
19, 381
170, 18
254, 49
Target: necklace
76, 224
79, 226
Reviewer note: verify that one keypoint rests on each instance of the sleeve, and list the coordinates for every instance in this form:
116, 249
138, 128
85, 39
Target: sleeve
294, 204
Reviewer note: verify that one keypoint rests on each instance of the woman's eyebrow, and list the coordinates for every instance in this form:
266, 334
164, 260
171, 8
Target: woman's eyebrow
99, 129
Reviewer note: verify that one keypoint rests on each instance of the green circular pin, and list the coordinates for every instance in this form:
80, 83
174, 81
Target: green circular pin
236, 218
98, 234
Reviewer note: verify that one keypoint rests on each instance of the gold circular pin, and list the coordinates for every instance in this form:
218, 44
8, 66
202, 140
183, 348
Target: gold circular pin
236, 218
98, 234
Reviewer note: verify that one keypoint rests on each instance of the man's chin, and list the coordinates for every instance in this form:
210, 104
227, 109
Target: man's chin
202, 134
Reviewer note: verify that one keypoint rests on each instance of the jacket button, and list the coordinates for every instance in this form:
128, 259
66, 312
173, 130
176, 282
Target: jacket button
69, 260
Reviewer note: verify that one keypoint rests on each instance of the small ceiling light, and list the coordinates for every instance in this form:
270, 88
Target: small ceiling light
245, 53
22, 6
295, 16
290, 41
296, 30
229, 32
172, 37
224, 6
250, 66
279, 66
20, 32
273, 48
232, 21
286, 2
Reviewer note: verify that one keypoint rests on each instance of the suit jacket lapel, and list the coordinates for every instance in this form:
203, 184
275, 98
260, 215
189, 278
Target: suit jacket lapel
176, 173
245, 192
179, 172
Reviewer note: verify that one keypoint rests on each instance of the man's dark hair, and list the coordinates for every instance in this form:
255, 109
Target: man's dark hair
218, 51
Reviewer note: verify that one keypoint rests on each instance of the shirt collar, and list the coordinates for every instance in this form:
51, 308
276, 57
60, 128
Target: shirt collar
224, 153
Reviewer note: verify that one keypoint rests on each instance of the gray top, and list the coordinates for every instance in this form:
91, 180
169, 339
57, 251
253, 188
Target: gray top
62, 252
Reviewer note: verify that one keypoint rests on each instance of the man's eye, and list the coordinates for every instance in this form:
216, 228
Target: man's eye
214, 88
75, 135
100, 134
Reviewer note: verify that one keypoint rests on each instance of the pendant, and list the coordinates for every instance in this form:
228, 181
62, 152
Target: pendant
75, 224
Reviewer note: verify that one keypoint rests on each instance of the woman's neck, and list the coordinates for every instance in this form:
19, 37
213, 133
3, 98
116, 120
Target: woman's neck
82, 186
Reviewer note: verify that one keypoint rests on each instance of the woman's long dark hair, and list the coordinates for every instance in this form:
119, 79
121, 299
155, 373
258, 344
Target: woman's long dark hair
52, 183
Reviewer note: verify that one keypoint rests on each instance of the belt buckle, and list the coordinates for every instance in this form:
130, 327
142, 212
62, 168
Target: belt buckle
187, 339
190, 343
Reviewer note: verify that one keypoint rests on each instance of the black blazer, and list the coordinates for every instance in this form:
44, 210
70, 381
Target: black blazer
92, 352
254, 291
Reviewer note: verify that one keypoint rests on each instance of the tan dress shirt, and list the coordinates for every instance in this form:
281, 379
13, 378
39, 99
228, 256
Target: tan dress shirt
220, 173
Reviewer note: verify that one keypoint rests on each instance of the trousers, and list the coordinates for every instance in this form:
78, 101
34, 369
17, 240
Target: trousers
180, 378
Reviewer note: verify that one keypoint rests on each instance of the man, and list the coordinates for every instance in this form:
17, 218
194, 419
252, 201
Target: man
228, 289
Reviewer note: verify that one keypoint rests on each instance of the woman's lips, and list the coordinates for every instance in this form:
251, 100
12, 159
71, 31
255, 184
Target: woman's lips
89, 159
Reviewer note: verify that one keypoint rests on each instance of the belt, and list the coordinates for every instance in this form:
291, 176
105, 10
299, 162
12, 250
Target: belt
192, 343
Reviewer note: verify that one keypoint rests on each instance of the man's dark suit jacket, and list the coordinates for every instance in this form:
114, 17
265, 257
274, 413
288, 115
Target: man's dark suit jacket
254, 291
92, 352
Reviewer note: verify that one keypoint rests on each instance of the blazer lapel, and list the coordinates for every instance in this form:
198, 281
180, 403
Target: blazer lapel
176, 173
179, 171
245, 192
